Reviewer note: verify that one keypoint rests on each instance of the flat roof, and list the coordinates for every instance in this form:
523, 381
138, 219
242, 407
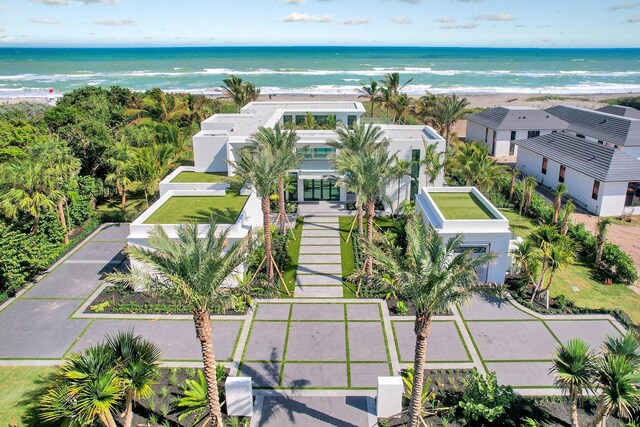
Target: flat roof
180, 209
460, 206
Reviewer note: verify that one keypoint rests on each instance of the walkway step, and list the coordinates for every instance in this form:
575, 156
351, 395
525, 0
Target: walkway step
321, 241
320, 269
320, 249
319, 280
323, 219
319, 233
318, 292
321, 226
319, 259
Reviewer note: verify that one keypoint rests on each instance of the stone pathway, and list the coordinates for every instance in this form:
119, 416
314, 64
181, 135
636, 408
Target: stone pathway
319, 265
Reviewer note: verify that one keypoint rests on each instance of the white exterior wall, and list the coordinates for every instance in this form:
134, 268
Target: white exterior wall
210, 153
475, 132
611, 197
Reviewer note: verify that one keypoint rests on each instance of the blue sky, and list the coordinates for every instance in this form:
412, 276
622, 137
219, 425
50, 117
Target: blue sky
518, 23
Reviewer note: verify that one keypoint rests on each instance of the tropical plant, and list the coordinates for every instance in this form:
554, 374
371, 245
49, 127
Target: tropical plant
372, 92
283, 145
559, 193
401, 106
566, 217
310, 122
627, 345
137, 361
426, 396
119, 159
447, 110
150, 165
392, 82
194, 269
528, 188
573, 367
399, 170
194, 400
262, 169
158, 106
514, 173
432, 275
555, 257
433, 161
484, 399
472, 164
618, 382
84, 391
602, 226
240, 93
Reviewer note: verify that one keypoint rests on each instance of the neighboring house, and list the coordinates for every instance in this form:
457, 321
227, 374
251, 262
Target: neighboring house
600, 178
620, 110
464, 210
498, 128
224, 135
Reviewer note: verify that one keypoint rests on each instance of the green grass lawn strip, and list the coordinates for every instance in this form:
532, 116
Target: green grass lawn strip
464, 344
178, 209
290, 270
461, 206
202, 177
346, 254
18, 384
284, 349
79, 337
386, 340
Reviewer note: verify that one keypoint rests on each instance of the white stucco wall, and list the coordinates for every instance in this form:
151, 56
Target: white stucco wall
210, 153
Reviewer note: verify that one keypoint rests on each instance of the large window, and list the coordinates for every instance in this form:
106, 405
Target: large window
351, 121
486, 135
545, 163
287, 118
563, 170
415, 172
513, 135
533, 133
512, 149
318, 153
596, 189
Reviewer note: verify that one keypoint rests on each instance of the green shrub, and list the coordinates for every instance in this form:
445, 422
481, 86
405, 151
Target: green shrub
401, 308
484, 399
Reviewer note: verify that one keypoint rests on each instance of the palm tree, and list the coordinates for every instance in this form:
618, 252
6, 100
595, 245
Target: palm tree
527, 257
514, 173
528, 187
86, 390
402, 107
574, 367
361, 139
30, 189
151, 164
448, 109
283, 144
472, 163
559, 193
120, 157
195, 270
234, 90
310, 122
386, 98
263, 170
158, 106
392, 81
566, 217
617, 379
372, 92
432, 275
138, 363
602, 227
626, 345
252, 92
433, 161
424, 106
555, 257
399, 170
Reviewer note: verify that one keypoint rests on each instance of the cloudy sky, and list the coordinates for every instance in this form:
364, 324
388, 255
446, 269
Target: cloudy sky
518, 23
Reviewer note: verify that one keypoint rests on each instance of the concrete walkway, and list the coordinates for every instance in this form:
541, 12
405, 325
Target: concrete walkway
319, 265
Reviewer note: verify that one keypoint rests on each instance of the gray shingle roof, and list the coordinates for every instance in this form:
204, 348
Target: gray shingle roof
620, 110
598, 161
607, 127
517, 118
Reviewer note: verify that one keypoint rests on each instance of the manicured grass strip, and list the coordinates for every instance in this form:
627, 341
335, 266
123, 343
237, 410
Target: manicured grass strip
177, 209
460, 206
18, 391
284, 349
386, 341
202, 177
346, 254
290, 270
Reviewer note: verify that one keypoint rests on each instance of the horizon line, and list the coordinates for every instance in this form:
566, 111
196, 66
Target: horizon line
308, 46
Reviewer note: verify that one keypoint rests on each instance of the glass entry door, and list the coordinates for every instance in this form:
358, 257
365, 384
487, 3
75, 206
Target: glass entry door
320, 189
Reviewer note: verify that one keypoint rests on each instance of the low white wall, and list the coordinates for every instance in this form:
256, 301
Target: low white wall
209, 152
166, 184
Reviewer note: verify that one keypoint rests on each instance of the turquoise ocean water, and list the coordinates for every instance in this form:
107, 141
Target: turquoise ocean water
322, 70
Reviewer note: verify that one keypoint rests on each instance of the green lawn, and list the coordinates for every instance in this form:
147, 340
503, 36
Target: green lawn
201, 177
17, 385
199, 208
460, 206
346, 253
293, 253
591, 294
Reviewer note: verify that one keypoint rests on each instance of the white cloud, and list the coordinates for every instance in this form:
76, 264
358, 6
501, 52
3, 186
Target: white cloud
496, 17
115, 23
305, 17
628, 5
401, 19
445, 20
469, 26
294, 1
633, 19
45, 21
52, 2
7, 39
356, 21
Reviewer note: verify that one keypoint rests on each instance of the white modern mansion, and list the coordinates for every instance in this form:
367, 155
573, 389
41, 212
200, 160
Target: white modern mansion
596, 154
224, 135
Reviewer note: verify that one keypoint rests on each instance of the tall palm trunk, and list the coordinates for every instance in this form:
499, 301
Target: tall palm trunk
574, 408
359, 214
539, 284
599, 249
422, 328
266, 222
202, 322
107, 420
447, 133
128, 414
557, 204
371, 205
600, 418
282, 206
123, 197
512, 186
63, 221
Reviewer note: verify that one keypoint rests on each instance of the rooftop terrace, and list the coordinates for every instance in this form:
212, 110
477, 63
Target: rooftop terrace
461, 206
179, 209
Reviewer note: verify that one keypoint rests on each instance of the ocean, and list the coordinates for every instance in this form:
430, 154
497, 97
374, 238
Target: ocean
322, 70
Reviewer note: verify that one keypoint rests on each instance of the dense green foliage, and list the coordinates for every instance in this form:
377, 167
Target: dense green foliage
58, 163
627, 101
484, 399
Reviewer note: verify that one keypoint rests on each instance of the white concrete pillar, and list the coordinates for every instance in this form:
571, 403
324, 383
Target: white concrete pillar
239, 396
300, 190
389, 398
